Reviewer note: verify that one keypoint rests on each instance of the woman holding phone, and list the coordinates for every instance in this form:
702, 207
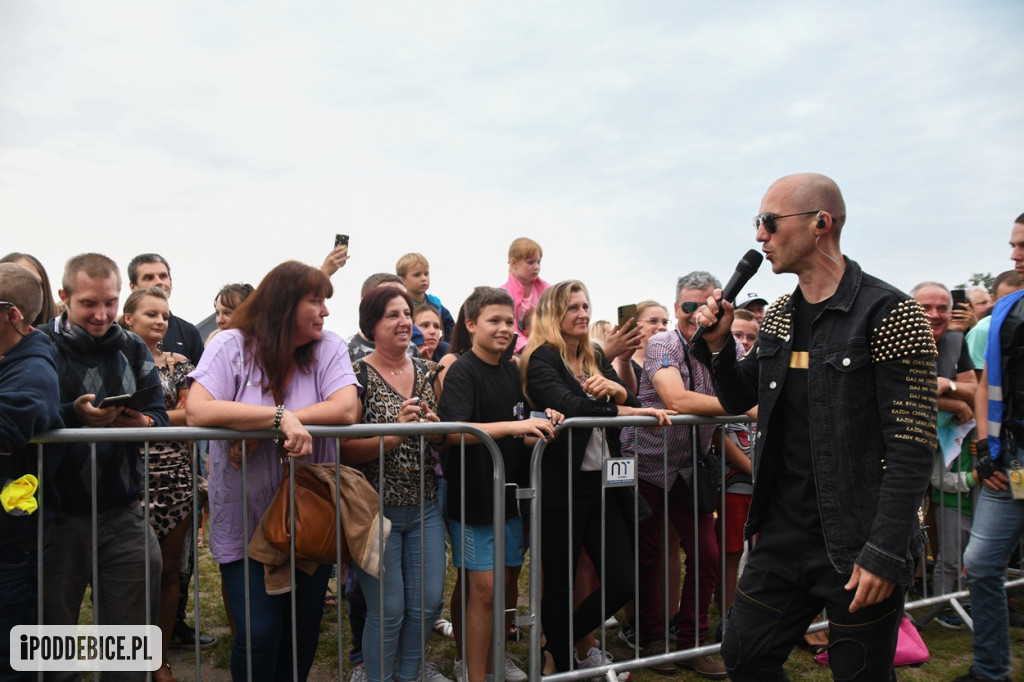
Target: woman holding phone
398, 389
275, 368
562, 370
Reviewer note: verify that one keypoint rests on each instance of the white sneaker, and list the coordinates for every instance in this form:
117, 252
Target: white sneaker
459, 677
512, 671
596, 657
612, 622
430, 673
358, 674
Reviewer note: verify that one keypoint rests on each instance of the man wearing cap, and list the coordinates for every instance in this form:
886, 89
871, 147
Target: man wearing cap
753, 302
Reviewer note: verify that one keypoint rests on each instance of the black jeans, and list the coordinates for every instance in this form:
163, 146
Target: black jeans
786, 583
18, 594
559, 547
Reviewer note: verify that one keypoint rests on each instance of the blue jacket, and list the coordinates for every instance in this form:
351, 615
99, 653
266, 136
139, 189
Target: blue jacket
119, 363
873, 407
29, 398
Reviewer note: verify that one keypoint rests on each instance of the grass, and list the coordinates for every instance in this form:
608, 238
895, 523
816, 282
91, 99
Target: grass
950, 650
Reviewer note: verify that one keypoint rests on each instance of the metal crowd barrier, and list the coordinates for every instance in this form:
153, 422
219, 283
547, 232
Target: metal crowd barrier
533, 494
145, 436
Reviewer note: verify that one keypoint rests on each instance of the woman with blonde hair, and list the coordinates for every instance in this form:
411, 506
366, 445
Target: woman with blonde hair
146, 312
562, 370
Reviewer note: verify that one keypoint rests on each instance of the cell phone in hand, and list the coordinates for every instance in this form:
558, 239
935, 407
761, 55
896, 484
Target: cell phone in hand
340, 240
511, 350
626, 312
959, 296
137, 401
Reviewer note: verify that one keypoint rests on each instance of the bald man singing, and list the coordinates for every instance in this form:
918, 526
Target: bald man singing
843, 373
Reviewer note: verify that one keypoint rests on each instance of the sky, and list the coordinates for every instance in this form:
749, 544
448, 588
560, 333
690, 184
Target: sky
633, 140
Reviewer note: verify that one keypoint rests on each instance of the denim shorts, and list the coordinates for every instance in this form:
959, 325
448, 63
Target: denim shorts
480, 544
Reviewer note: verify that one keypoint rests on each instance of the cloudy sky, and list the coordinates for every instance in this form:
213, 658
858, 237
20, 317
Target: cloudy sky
633, 139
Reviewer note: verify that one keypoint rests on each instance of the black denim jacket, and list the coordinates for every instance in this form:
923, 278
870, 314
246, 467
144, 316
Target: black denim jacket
873, 407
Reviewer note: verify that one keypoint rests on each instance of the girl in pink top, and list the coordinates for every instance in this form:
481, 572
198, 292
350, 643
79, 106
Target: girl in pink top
524, 282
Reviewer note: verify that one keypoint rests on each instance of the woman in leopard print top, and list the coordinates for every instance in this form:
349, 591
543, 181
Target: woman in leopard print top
398, 390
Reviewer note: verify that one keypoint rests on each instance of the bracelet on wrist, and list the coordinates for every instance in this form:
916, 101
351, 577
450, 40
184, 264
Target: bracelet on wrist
277, 424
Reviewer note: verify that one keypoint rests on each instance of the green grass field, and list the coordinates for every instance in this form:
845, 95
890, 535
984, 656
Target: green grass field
950, 650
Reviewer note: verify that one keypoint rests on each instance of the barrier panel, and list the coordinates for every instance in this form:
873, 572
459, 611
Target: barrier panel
536, 494
146, 436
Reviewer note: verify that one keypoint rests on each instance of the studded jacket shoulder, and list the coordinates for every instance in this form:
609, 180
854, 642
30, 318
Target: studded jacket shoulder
873, 409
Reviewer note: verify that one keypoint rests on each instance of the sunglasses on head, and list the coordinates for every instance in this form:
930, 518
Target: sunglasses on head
768, 220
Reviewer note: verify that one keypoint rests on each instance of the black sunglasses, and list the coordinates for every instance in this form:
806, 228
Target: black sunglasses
689, 307
768, 220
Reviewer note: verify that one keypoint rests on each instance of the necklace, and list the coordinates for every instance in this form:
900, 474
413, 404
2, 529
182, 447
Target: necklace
392, 372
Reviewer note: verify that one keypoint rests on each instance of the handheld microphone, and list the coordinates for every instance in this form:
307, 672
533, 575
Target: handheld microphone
745, 269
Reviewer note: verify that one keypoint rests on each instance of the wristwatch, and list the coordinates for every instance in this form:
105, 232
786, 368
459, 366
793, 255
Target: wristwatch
952, 386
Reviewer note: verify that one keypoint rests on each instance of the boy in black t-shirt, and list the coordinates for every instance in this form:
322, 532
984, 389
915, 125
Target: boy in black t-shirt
482, 388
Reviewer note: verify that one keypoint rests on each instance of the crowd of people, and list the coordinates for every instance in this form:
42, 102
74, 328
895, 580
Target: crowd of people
867, 406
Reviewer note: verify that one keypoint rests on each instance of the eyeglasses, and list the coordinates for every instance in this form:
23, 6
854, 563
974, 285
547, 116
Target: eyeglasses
655, 321
768, 220
4, 305
689, 307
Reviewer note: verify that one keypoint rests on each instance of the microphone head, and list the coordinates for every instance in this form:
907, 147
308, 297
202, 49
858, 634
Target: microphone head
750, 262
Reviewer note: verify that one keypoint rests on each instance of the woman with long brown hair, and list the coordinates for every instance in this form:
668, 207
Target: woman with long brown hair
276, 368
49, 309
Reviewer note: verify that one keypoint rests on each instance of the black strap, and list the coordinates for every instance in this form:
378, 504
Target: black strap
686, 358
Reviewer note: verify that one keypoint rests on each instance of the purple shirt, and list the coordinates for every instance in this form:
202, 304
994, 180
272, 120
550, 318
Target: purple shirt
228, 373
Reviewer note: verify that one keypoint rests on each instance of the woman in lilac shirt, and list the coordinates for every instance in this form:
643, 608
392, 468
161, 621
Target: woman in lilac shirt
275, 369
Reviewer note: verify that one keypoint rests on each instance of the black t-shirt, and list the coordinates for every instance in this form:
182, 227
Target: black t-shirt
954, 356
184, 338
796, 496
478, 392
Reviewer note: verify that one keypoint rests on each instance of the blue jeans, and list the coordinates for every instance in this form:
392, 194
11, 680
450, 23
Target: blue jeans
18, 594
411, 589
998, 528
271, 631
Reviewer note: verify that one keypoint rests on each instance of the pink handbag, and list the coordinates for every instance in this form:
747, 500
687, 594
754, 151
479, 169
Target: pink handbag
910, 648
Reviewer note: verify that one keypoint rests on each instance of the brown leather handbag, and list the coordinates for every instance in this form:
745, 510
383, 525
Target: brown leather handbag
316, 517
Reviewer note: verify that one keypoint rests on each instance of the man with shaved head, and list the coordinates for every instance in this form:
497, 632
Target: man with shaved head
843, 374
29, 398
